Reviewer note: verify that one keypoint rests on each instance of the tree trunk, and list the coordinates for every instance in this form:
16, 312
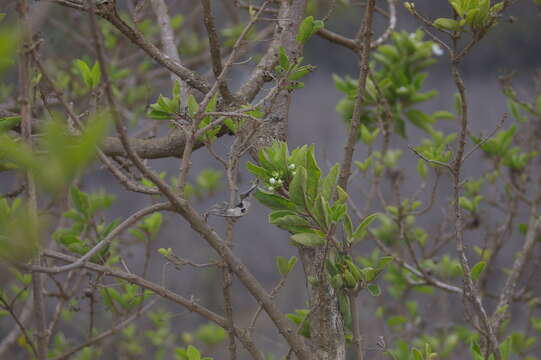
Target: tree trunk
327, 340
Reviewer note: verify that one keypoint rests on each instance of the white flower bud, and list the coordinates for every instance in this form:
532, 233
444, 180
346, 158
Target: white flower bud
437, 50
272, 181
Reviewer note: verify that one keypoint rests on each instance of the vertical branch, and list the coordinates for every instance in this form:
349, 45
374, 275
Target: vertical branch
214, 47
232, 171
349, 148
26, 131
132, 155
470, 289
357, 339
168, 41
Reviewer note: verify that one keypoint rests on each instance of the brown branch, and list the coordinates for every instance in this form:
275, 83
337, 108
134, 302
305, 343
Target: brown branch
126, 224
215, 48
508, 291
165, 293
168, 40
349, 148
471, 291
26, 131
96, 339
108, 12
20, 328
357, 340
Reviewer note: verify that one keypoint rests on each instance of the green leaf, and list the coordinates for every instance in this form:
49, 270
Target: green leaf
291, 263
299, 72
305, 29
422, 169
313, 174
443, 115
466, 204
292, 223
477, 269
258, 171
328, 185
193, 106
374, 289
84, 71
308, 239
383, 261
9, 122
515, 111
95, 75
281, 264
446, 24
273, 201
505, 348
361, 229
321, 213
193, 353
417, 355
283, 59
420, 119
80, 200
297, 188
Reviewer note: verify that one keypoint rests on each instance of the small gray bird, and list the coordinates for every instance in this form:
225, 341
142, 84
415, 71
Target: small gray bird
238, 210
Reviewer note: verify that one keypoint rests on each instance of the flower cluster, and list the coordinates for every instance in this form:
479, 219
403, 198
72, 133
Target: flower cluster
277, 180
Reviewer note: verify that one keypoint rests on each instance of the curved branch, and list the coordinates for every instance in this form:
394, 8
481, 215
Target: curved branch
164, 293
109, 13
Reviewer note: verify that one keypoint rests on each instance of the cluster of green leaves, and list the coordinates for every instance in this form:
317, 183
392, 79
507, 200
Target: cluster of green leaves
166, 108
504, 349
299, 317
91, 76
207, 182
398, 72
310, 206
476, 15
60, 344
379, 162
190, 353
499, 148
58, 156
163, 339
302, 200
208, 334
147, 230
291, 70
160, 334
126, 298
348, 275
518, 108
435, 149
285, 266
403, 352
87, 228
17, 290
8, 123
307, 28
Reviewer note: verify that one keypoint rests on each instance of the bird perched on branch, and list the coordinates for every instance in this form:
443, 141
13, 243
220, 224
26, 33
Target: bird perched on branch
240, 209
